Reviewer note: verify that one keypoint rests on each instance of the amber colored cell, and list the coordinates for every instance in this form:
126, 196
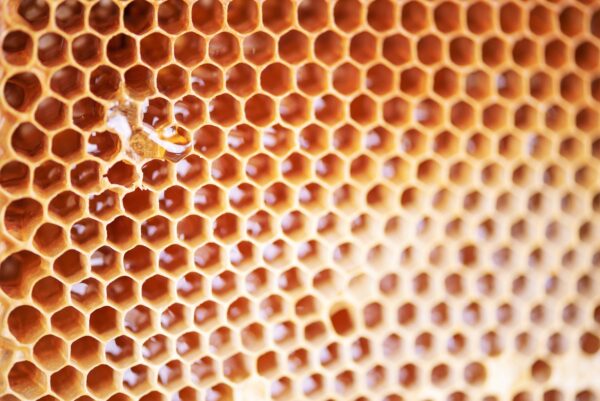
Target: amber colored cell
224, 48
22, 90
35, 13
17, 47
242, 15
121, 50
50, 113
14, 176
155, 49
207, 16
28, 140
48, 293
171, 81
105, 82
189, 111
85, 175
259, 110
329, 47
122, 173
206, 80
70, 16
87, 49
172, 16
293, 46
26, 379
258, 48
87, 113
362, 47
18, 326
138, 16
155, 172
224, 110
189, 48
67, 82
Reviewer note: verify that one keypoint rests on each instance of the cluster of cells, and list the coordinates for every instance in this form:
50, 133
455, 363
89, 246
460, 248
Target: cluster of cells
299, 199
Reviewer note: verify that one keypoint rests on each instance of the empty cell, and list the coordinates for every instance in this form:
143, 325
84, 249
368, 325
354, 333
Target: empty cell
313, 139
50, 352
479, 18
101, 380
49, 293
189, 111
17, 47
587, 56
173, 318
17, 271
224, 110
87, 113
104, 17
52, 49
243, 139
87, 49
68, 322
155, 49
414, 15
447, 16
276, 79
189, 48
67, 82
224, 48
258, 48
173, 258
172, 81
26, 324
51, 113
293, 46
347, 14
541, 20
242, 15
138, 16
259, 110
277, 15
105, 82
346, 79
511, 17
207, 80
446, 82
139, 81
363, 47
21, 217
26, 379
172, 16
363, 110
122, 173
329, 47
21, 91
429, 49
207, 16
190, 286
14, 176
191, 170
28, 140
313, 15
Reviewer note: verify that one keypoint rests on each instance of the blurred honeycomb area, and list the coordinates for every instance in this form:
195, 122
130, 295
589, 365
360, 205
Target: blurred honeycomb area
345, 200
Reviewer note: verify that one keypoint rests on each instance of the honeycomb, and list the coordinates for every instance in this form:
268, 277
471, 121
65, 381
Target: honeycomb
279, 199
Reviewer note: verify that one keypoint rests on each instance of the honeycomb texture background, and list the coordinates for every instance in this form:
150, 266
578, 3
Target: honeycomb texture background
322, 200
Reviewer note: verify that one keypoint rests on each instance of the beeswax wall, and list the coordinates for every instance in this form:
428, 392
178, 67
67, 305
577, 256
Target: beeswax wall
299, 200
